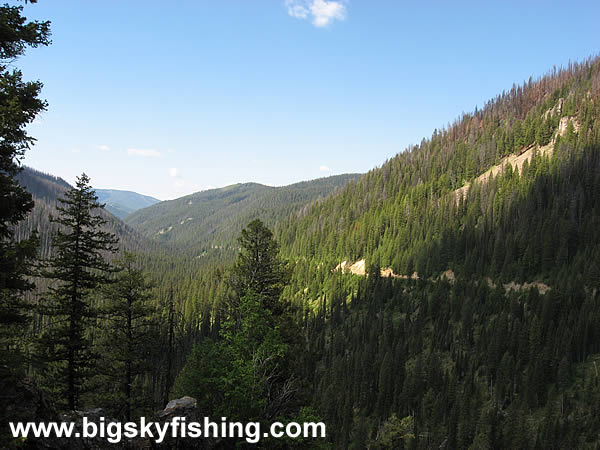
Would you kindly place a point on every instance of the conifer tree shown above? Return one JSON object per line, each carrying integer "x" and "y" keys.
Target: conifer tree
{"x": 243, "y": 374}
{"x": 258, "y": 268}
{"x": 19, "y": 105}
{"x": 169, "y": 353}
{"x": 78, "y": 268}
{"x": 128, "y": 341}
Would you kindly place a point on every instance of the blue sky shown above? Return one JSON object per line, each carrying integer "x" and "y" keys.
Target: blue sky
{"x": 168, "y": 98}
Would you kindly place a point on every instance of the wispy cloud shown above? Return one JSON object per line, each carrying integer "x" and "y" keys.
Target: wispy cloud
{"x": 297, "y": 9}
{"x": 320, "y": 12}
{"x": 103, "y": 148}
{"x": 145, "y": 153}
{"x": 174, "y": 172}
{"x": 324, "y": 169}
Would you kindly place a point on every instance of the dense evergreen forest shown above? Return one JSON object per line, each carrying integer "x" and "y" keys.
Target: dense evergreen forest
{"x": 484, "y": 333}
{"x": 447, "y": 299}
{"x": 208, "y": 222}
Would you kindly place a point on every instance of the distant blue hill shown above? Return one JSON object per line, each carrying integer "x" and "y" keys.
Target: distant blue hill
{"x": 123, "y": 203}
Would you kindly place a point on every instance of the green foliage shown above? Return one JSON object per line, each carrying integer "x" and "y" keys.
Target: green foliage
{"x": 79, "y": 268}
{"x": 231, "y": 377}
{"x": 407, "y": 216}
{"x": 19, "y": 105}
{"x": 258, "y": 269}
{"x": 203, "y": 378}
{"x": 255, "y": 350}
{"x": 46, "y": 191}
{"x": 468, "y": 363}
{"x": 127, "y": 339}
{"x": 242, "y": 374}
{"x": 18, "y": 34}
{"x": 206, "y": 223}
{"x": 395, "y": 433}
{"x": 195, "y": 291}
{"x": 473, "y": 365}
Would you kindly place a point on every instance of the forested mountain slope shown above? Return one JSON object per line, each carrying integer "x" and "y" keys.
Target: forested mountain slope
{"x": 171, "y": 275}
{"x": 46, "y": 190}
{"x": 122, "y": 203}
{"x": 211, "y": 220}
{"x": 506, "y": 195}
{"x": 412, "y": 215}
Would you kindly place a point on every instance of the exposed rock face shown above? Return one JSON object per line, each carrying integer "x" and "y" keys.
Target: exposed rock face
{"x": 185, "y": 408}
{"x": 541, "y": 287}
{"x": 516, "y": 160}
{"x": 449, "y": 276}
{"x": 358, "y": 268}
{"x": 180, "y": 407}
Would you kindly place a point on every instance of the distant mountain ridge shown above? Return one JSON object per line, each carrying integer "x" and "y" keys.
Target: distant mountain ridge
{"x": 122, "y": 203}
{"x": 212, "y": 219}
{"x": 46, "y": 189}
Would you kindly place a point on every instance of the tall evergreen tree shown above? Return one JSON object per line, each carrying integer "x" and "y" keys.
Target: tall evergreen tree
{"x": 19, "y": 105}
{"x": 78, "y": 267}
{"x": 169, "y": 345}
{"x": 128, "y": 337}
{"x": 258, "y": 268}
{"x": 244, "y": 373}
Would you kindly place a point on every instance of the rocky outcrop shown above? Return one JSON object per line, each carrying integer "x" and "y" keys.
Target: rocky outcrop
{"x": 186, "y": 410}
{"x": 517, "y": 160}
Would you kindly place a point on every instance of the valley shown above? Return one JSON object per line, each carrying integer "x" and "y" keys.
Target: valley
{"x": 447, "y": 298}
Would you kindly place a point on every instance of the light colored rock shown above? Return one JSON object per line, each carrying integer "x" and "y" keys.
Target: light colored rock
{"x": 449, "y": 276}
{"x": 516, "y": 160}
{"x": 388, "y": 272}
{"x": 183, "y": 402}
{"x": 541, "y": 287}
{"x": 358, "y": 268}
{"x": 341, "y": 266}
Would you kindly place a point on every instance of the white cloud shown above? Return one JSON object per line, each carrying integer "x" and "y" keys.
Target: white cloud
{"x": 297, "y": 10}
{"x": 324, "y": 169}
{"x": 321, "y": 12}
{"x": 103, "y": 148}
{"x": 325, "y": 12}
{"x": 173, "y": 172}
{"x": 145, "y": 153}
